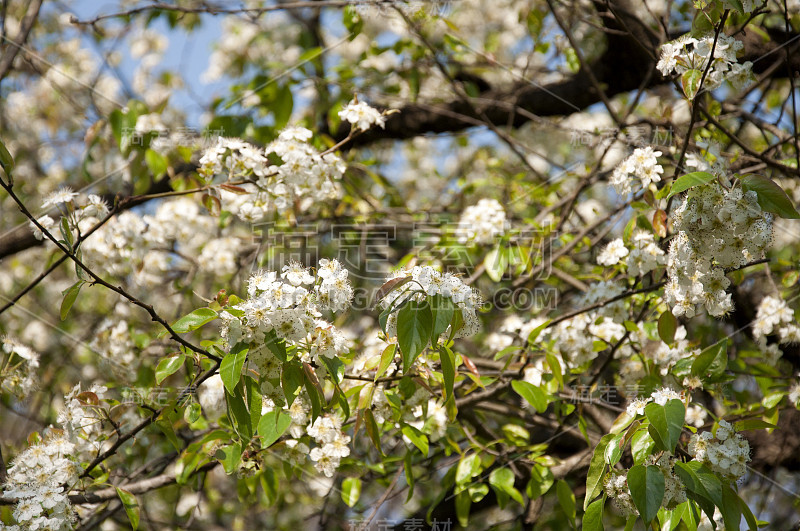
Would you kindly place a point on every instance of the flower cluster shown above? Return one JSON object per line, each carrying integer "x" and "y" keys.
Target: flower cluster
{"x": 645, "y": 254}
{"x": 511, "y": 328}
{"x": 616, "y": 487}
{"x": 290, "y": 306}
{"x": 482, "y": 223}
{"x": 140, "y": 245}
{"x": 775, "y": 317}
{"x": 725, "y": 453}
{"x": 37, "y": 479}
{"x": 361, "y": 115}
{"x": 643, "y": 164}
{"x": 612, "y": 253}
{"x": 301, "y": 177}
{"x": 689, "y": 53}
{"x": 113, "y": 342}
{"x": 43, "y": 474}
{"x": 716, "y": 229}
{"x": 427, "y": 281}
{"x": 332, "y": 443}
{"x": 82, "y": 418}
{"x": 18, "y": 368}
{"x": 667, "y": 356}
{"x": 82, "y": 211}
{"x": 659, "y": 396}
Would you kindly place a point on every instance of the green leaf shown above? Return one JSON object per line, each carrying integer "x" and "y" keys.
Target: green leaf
{"x": 409, "y": 473}
{"x": 229, "y": 456}
{"x": 593, "y": 517}
{"x": 387, "y": 357}
{"x": 168, "y": 366}
{"x": 447, "y": 359}
{"x": 442, "y": 309}
{"x": 752, "y": 523}
{"x": 496, "y": 263}
{"x": 647, "y": 490}
{"x": 690, "y": 81}
{"x": 414, "y": 325}
{"x": 156, "y": 163}
{"x": 352, "y": 21}
{"x": 566, "y": 499}
{"x": 194, "y": 320}
{"x": 230, "y": 370}
{"x": 666, "y": 423}
{"x": 239, "y": 414}
{"x": 254, "y": 401}
{"x": 730, "y": 509}
{"x": 283, "y": 105}
{"x": 373, "y": 431}
{"x": 468, "y": 467}
{"x": 276, "y": 345}
{"x": 192, "y": 413}
{"x": 6, "y": 160}
{"x": 753, "y": 424}
{"x": 534, "y": 335}
{"x": 502, "y": 481}
{"x": 418, "y": 439}
{"x": 690, "y": 180}
{"x": 270, "y": 484}
{"x": 642, "y": 445}
{"x": 534, "y": 395}
{"x": 597, "y": 468}
{"x": 70, "y": 294}
{"x": 292, "y": 379}
{"x": 702, "y": 485}
{"x": 712, "y": 361}
{"x": 131, "y": 506}
{"x": 351, "y": 491}
{"x": 555, "y": 368}
{"x": 667, "y": 326}
{"x": 66, "y": 232}
{"x": 771, "y": 197}
{"x": 463, "y": 503}
{"x": 613, "y": 450}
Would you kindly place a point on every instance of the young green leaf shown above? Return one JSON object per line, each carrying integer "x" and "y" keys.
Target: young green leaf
{"x": 666, "y": 423}
{"x": 70, "y": 295}
{"x": 169, "y": 366}
{"x": 647, "y": 488}
{"x": 272, "y": 426}
{"x": 597, "y": 468}
{"x": 690, "y": 180}
{"x": 194, "y": 320}
{"x": 351, "y": 491}
{"x": 230, "y": 370}
{"x": 534, "y": 395}
{"x": 771, "y": 197}
{"x": 130, "y": 505}
{"x": 414, "y": 325}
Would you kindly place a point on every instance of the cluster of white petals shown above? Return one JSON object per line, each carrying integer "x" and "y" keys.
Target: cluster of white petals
{"x": 289, "y": 307}
{"x": 18, "y": 365}
{"x": 775, "y": 317}
{"x": 725, "y": 453}
{"x": 482, "y": 222}
{"x": 41, "y": 476}
{"x": 689, "y": 53}
{"x": 642, "y": 164}
{"x": 302, "y": 177}
{"x": 716, "y": 229}
{"x": 361, "y": 115}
